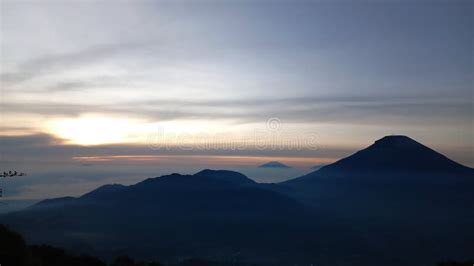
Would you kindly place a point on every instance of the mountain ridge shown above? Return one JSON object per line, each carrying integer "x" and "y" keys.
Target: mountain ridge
{"x": 344, "y": 210}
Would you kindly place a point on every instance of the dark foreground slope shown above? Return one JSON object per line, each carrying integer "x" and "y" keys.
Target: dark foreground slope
{"x": 405, "y": 199}
{"x": 15, "y": 252}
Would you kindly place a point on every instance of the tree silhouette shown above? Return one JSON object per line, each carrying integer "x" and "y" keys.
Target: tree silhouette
{"x": 10, "y": 173}
{"x": 13, "y": 249}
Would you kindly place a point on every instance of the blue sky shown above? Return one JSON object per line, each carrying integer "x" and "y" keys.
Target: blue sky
{"x": 102, "y": 76}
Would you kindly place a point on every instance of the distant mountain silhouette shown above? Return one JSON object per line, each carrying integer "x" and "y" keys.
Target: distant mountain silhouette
{"x": 210, "y": 212}
{"x": 274, "y": 164}
{"x": 396, "y": 202}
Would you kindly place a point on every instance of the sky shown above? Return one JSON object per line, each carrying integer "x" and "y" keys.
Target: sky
{"x": 96, "y": 92}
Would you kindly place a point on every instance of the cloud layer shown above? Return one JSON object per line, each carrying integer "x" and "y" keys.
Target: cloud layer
{"x": 348, "y": 72}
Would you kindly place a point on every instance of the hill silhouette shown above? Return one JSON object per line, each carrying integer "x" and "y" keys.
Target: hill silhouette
{"x": 210, "y": 212}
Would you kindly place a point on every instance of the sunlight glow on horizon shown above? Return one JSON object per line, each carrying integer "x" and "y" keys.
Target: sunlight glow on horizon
{"x": 98, "y": 129}
{"x": 92, "y": 130}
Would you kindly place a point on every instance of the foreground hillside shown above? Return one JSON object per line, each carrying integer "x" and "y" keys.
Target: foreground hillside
{"x": 396, "y": 202}
{"x": 15, "y": 252}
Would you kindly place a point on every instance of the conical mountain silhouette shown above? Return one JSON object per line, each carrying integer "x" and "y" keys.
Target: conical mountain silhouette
{"x": 395, "y": 176}
{"x": 398, "y": 156}
{"x": 398, "y": 153}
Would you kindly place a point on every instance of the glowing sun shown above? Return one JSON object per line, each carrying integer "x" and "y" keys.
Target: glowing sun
{"x": 93, "y": 130}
